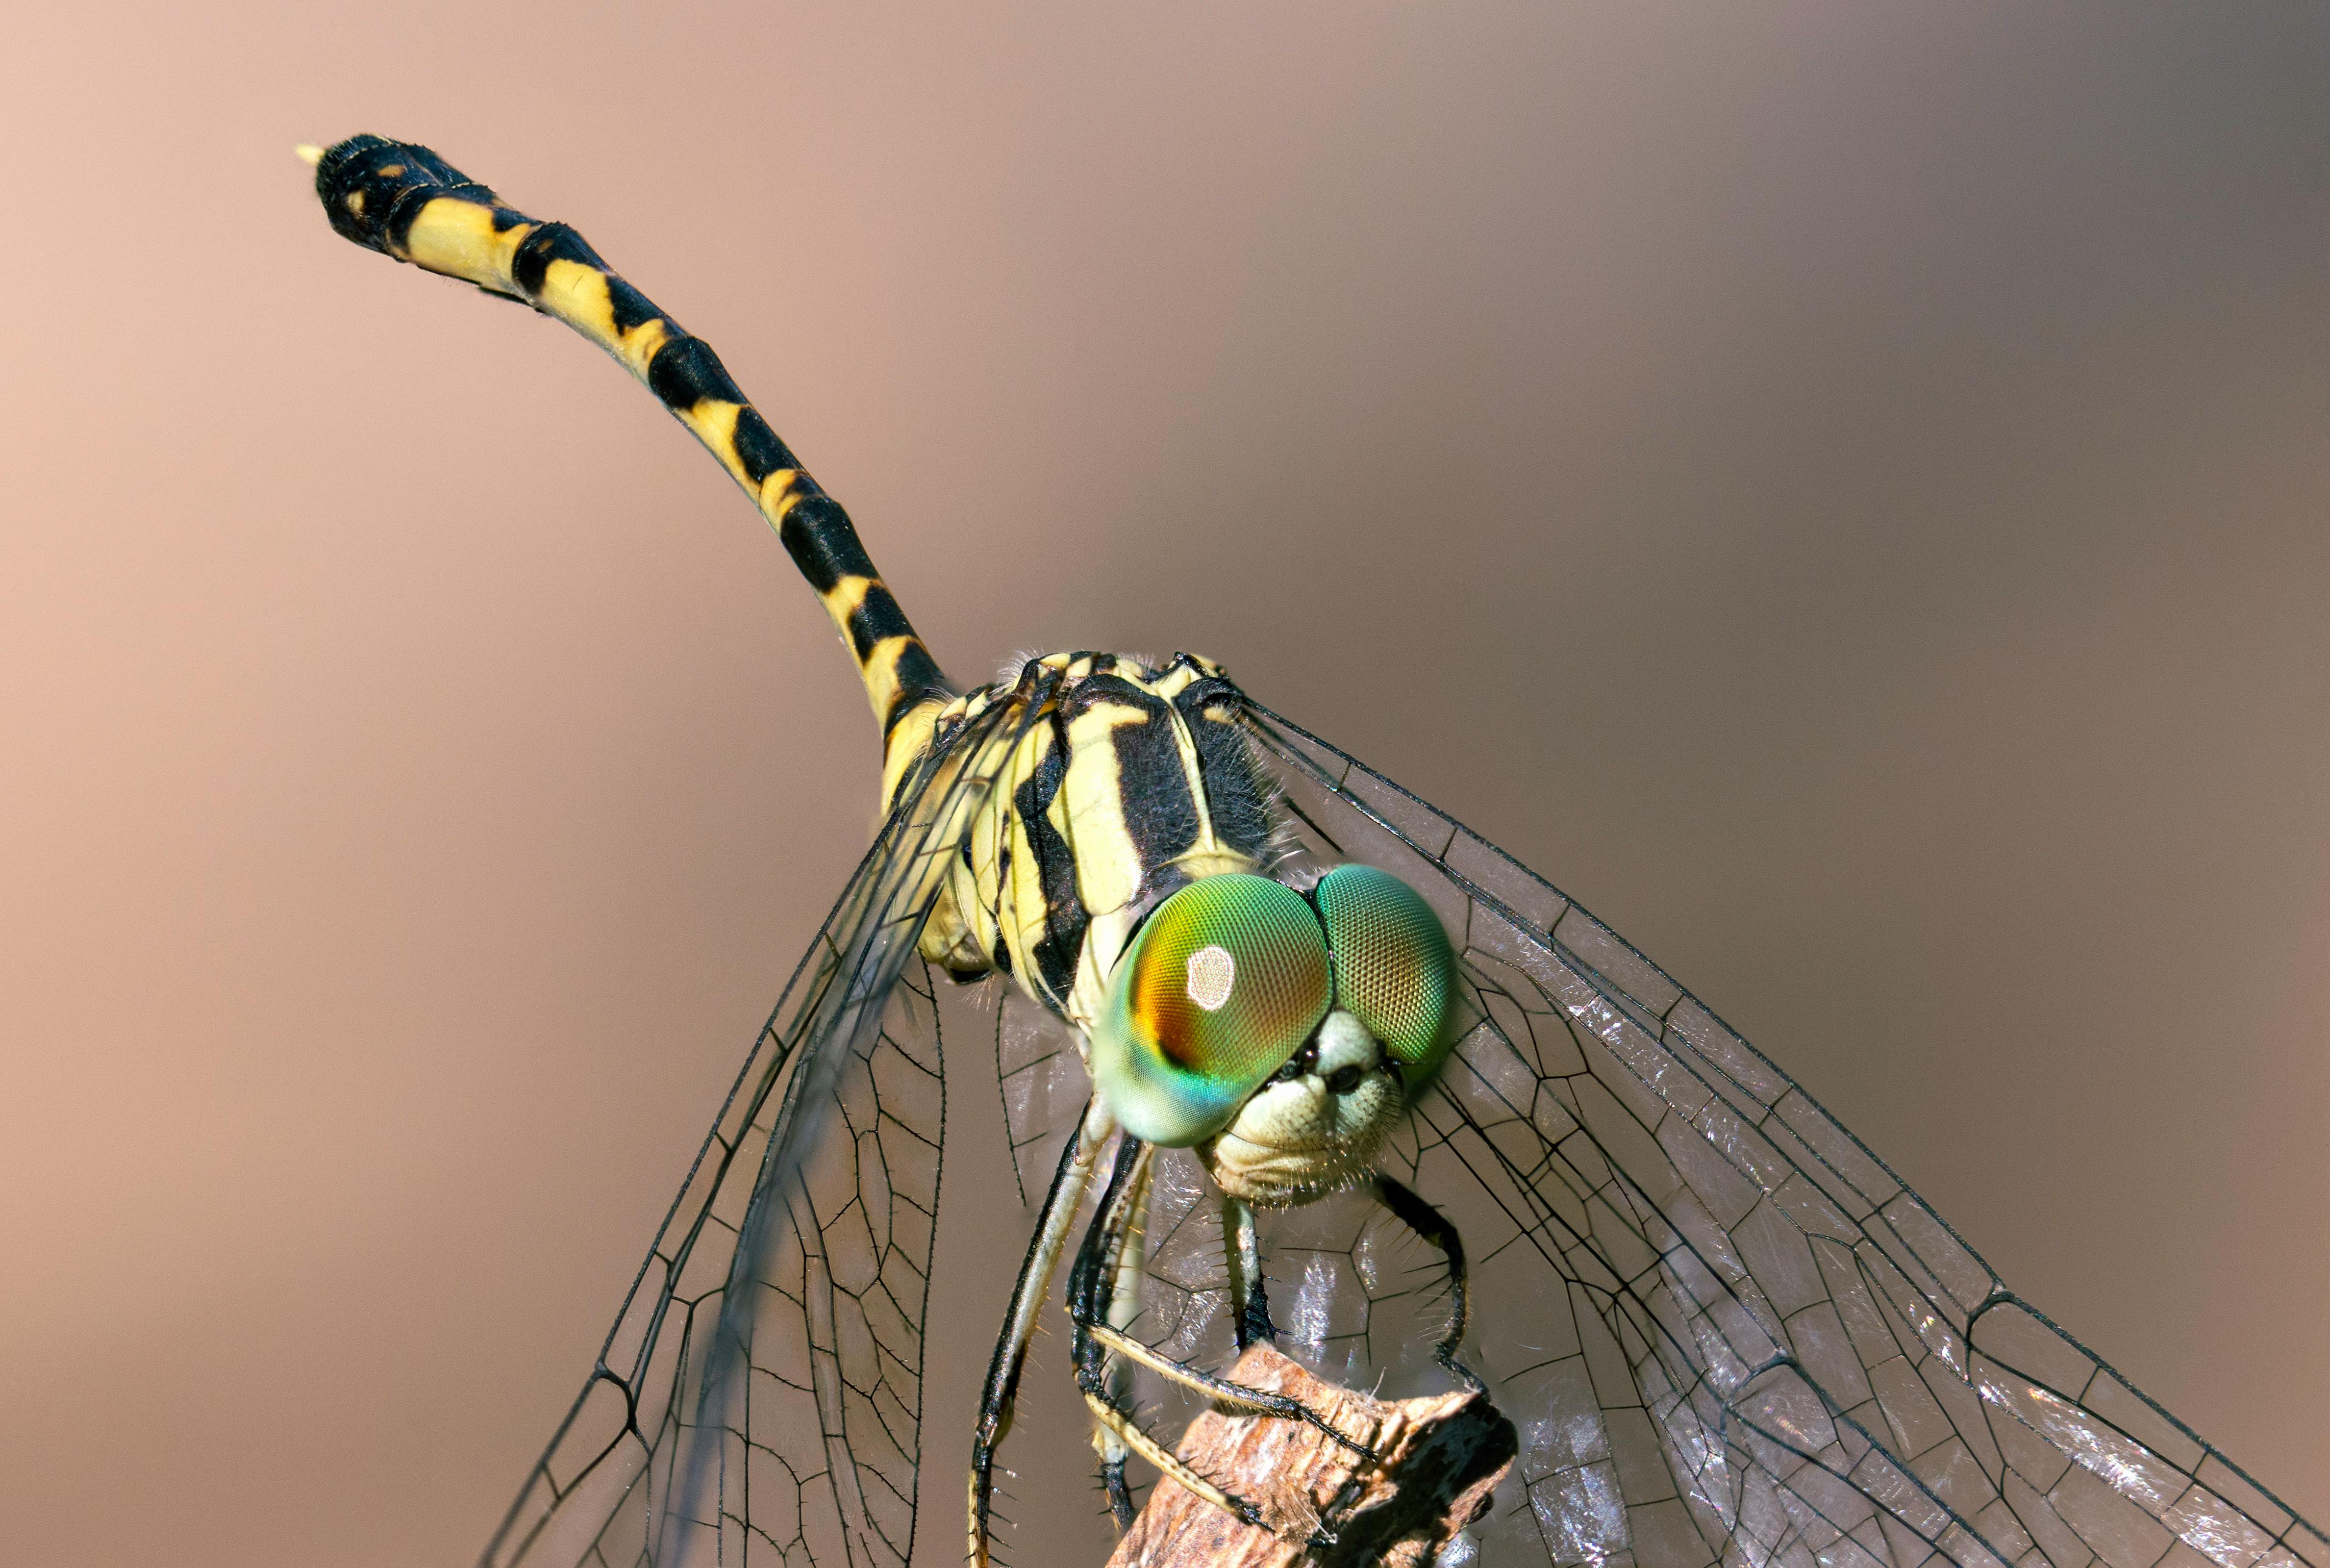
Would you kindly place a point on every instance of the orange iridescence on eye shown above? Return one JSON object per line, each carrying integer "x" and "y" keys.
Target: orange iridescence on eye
{"x": 1230, "y": 975}
{"x": 1221, "y": 985}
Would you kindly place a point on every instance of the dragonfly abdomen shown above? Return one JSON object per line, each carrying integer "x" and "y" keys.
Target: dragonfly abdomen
{"x": 406, "y": 202}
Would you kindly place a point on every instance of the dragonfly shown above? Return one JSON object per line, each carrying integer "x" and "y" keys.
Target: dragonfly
{"x": 1359, "y": 1082}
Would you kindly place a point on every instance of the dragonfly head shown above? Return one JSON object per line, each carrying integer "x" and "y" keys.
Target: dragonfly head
{"x": 1279, "y": 1033}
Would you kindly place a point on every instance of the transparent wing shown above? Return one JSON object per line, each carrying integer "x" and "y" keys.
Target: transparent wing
{"x": 1045, "y": 1087}
{"x": 1728, "y": 1333}
{"x": 760, "y": 1392}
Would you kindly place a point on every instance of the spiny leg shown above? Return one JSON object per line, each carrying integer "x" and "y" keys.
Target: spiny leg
{"x": 1221, "y": 1390}
{"x": 1433, "y": 1226}
{"x": 995, "y": 1406}
{"x": 1249, "y": 1305}
{"x": 1090, "y": 1292}
{"x": 1124, "y": 1305}
{"x": 1096, "y": 1292}
{"x": 1115, "y": 1227}
{"x": 1090, "y": 1299}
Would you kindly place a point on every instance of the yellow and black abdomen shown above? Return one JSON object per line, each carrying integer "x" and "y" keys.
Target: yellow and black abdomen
{"x": 1126, "y": 781}
{"x": 406, "y": 202}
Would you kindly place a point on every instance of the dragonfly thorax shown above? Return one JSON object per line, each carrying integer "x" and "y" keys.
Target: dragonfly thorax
{"x": 1125, "y": 782}
{"x": 1112, "y": 870}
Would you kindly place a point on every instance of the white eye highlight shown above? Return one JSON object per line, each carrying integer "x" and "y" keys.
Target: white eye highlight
{"x": 1212, "y": 973}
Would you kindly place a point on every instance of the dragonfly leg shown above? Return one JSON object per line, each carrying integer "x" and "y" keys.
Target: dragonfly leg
{"x": 1060, "y": 1204}
{"x": 1124, "y": 1307}
{"x": 1237, "y": 1396}
{"x": 1095, "y": 1292}
{"x": 1091, "y": 1303}
{"x": 1244, "y": 1258}
{"x": 1433, "y": 1226}
{"x": 1104, "y": 1294}
{"x": 1127, "y": 1430}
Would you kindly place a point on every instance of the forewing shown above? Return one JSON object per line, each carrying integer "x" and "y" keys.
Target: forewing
{"x": 1727, "y": 1332}
{"x": 760, "y": 1392}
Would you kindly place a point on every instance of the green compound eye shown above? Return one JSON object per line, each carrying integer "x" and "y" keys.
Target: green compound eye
{"x": 1224, "y": 981}
{"x": 1394, "y": 970}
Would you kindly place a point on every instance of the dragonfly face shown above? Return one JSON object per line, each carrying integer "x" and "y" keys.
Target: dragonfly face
{"x": 1315, "y": 1127}
{"x": 1727, "y": 1332}
{"x": 1277, "y": 1031}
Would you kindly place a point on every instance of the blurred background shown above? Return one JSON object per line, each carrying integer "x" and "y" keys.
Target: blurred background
{"x": 1840, "y": 490}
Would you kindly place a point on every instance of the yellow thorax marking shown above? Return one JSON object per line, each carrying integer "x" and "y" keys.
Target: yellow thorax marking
{"x": 1089, "y": 810}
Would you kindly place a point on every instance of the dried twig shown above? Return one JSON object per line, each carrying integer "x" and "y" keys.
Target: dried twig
{"x": 1442, "y": 1458}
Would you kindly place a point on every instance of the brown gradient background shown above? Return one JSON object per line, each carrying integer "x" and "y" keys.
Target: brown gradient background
{"x": 1840, "y": 490}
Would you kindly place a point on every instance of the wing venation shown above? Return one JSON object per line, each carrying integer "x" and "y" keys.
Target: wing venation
{"x": 1730, "y": 1334}
{"x": 761, "y": 1390}
{"x": 1727, "y": 1332}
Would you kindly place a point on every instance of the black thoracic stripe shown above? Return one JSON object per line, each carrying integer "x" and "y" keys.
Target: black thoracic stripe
{"x": 1065, "y": 919}
{"x": 877, "y": 617}
{"x": 1161, "y": 816}
{"x": 1234, "y": 796}
{"x": 1002, "y": 879}
{"x": 1098, "y": 690}
{"x": 1106, "y": 691}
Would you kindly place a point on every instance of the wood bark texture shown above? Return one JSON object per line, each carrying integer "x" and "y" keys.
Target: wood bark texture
{"x": 1442, "y": 1456}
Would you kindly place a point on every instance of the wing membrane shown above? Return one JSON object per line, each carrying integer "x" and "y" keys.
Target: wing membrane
{"x": 1729, "y": 1332}
{"x": 1045, "y": 1087}
{"x": 761, "y": 1388}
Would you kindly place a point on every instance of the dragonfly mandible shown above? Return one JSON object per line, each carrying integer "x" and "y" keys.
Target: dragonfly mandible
{"x": 1317, "y": 1027}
